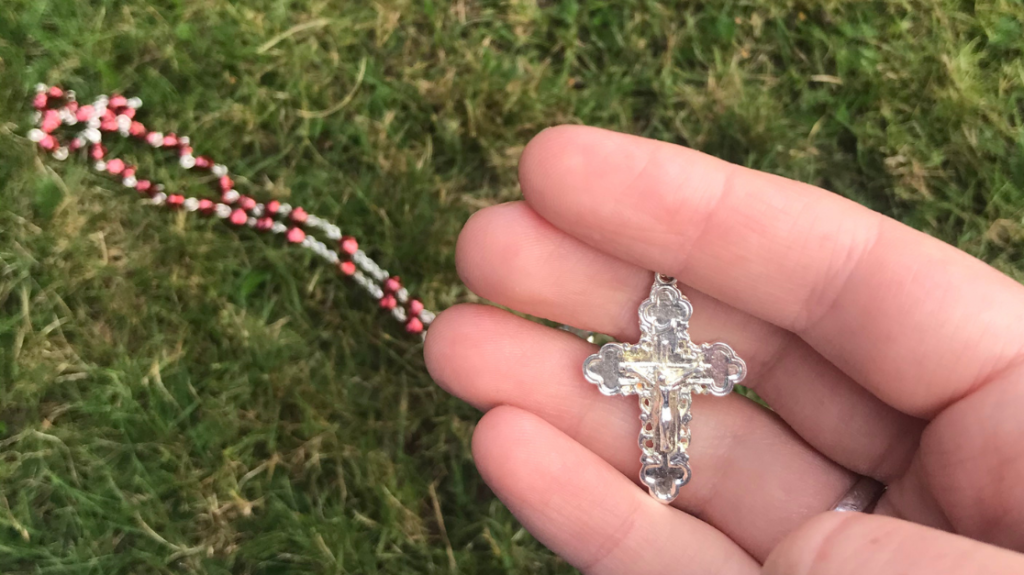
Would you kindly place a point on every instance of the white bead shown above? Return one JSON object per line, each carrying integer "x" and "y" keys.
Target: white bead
{"x": 187, "y": 161}
{"x": 427, "y": 317}
{"x": 60, "y": 154}
{"x": 100, "y": 166}
{"x": 124, "y": 122}
{"x": 230, "y": 196}
{"x": 183, "y": 140}
{"x": 129, "y": 182}
{"x": 307, "y": 242}
{"x": 36, "y": 135}
{"x": 92, "y": 135}
{"x": 93, "y": 123}
{"x": 191, "y": 204}
{"x": 67, "y": 117}
{"x": 399, "y": 313}
{"x": 257, "y": 210}
{"x": 159, "y": 198}
{"x": 135, "y": 103}
{"x": 155, "y": 139}
{"x": 40, "y": 87}
{"x": 79, "y": 142}
{"x": 284, "y": 210}
{"x": 70, "y": 95}
{"x": 251, "y": 222}
{"x": 278, "y": 228}
{"x": 219, "y": 170}
{"x": 37, "y": 117}
{"x": 222, "y": 211}
{"x": 402, "y": 295}
{"x": 101, "y": 102}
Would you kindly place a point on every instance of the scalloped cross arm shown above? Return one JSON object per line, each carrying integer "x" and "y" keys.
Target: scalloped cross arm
{"x": 664, "y": 369}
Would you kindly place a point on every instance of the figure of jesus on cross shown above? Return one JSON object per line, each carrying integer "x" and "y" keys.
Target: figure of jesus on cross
{"x": 664, "y": 369}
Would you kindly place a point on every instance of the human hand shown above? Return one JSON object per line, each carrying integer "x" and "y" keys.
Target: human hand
{"x": 884, "y": 352}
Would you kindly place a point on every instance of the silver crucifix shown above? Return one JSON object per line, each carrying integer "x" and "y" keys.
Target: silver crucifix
{"x": 664, "y": 369}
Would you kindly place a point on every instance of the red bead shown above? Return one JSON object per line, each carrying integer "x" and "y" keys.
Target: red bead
{"x": 40, "y": 101}
{"x": 175, "y": 200}
{"x": 296, "y": 235}
{"x": 84, "y": 113}
{"x": 348, "y": 268}
{"x": 388, "y": 302}
{"x": 48, "y": 143}
{"x": 349, "y": 245}
{"x": 72, "y": 107}
{"x": 55, "y": 92}
{"x": 143, "y": 186}
{"x": 414, "y": 325}
{"x": 392, "y": 284}
{"x": 115, "y": 166}
{"x": 108, "y": 114}
{"x": 108, "y": 125}
{"x": 272, "y": 207}
{"x": 203, "y": 163}
{"x": 226, "y": 183}
{"x": 137, "y": 129}
{"x": 415, "y": 307}
{"x": 246, "y": 203}
{"x": 206, "y": 206}
{"x": 299, "y": 216}
{"x": 97, "y": 152}
{"x": 129, "y": 172}
{"x": 51, "y": 121}
{"x": 75, "y": 144}
{"x": 185, "y": 150}
{"x": 118, "y": 101}
{"x": 264, "y": 224}
{"x": 129, "y": 112}
{"x": 170, "y": 141}
{"x": 239, "y": 217}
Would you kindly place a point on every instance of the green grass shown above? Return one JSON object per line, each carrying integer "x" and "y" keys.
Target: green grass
{"x": 177, "y": 397}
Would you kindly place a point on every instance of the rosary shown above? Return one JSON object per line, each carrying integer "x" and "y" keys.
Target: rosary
{"x": 664, "y": 369}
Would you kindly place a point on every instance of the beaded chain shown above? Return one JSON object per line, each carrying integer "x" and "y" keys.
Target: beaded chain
{"x": 56, "y": 107}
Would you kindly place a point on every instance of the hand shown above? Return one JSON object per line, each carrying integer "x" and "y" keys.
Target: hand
{"x": 882, "y": 351}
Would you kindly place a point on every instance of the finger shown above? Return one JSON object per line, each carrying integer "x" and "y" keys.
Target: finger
{"x": 970, "y": 466}
{"x": 752, "y": 478}
{"x": 855, "y": 543}
{"x": 887, "y": 304}
{"x": 510, "y": 255}
{"x": 586, "y": 511}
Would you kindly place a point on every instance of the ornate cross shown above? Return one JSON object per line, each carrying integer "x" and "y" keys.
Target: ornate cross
{"x": 664, "y": 369}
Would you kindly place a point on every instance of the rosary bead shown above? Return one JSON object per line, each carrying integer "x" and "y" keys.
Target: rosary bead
{"x": 296, "y": 235}
{"x": 84, "y": 113}
{"x": 299, "y": 216}
{"x": 246, "y": 203}
{"x": 206, "y": 207}
{"x": 51, "y": 121}
{"x": 48, "y": 143}
{"x": 143, "y": 186}
{"x": 108, "y": 125}
{"x": 347, "y": 267}
{"x": 187, "y": 162}
{"x": 97, "y": 152}
{"x": 115, "y": 166}
{"x": 388, "y": 302}
{"x": 40, "y": 101}
{"x": 238, "y": 217}
{"x": 118, "y": 101}
{"x": 55, "y": 92}
{"x": 226, "y": 183}
{"x": 230, "y": 197}
{"x": 36, "y": 135}
{"x": 203, "y": 163}
{"x": 219, "y": 170}
{"x": 392, "y": 284}
{"x": 128, "y": 113}
{"x": 415, "y": 307}
{"x": 60, "y": 154}
{"x": 349, "y": 245}
{"x": 264, "y": 224}
{"x": 414, "y": 326}
{"x": 170, "y": 141}
{"x": 155, "y": 139}
{"x": 191, "y": 204}
{"x": 175, "y": 201}
{"x": 273, "y": 206}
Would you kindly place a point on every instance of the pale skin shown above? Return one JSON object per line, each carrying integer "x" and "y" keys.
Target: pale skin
{"x": 883, "y": 352}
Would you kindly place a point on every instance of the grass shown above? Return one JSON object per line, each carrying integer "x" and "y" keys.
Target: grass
{"x": 176, "y": 397}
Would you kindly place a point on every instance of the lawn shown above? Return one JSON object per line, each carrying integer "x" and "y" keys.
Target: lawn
{"x": 180, "y": 397}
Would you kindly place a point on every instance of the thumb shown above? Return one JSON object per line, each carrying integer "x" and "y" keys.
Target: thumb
{"x": 854, "y": 543}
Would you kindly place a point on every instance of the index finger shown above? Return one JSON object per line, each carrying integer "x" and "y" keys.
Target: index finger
{"x": 916, "y": 321}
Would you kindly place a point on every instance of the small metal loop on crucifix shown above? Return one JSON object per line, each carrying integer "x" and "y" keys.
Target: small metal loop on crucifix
{"x": 664, "y": 369}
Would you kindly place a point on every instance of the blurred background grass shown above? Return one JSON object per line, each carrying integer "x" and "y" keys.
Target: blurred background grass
{"x": 176, "y": 397}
